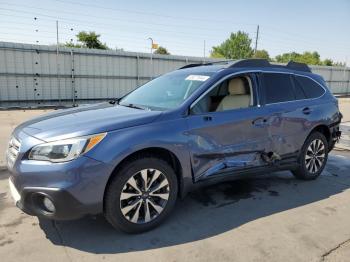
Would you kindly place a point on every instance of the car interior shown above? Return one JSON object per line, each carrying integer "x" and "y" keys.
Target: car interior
{"x": 231, "y": 94}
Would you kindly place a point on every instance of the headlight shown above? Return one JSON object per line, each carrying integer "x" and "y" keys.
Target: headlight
{"x": 65, "y": 150}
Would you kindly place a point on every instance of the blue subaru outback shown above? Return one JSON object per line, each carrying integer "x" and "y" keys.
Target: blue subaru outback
{"x": 131, "y": 158}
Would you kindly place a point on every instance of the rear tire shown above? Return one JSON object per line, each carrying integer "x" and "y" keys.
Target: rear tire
{"x": 313, "y": 157}
{"x": 141, "y": 195}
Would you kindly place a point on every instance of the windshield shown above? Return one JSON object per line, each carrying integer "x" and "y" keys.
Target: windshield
{"x": 165, "y": 92}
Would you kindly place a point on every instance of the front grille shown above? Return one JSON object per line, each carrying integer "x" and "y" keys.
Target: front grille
{"x": 12, "y": 151}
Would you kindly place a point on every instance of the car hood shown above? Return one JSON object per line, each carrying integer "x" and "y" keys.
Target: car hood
{"x": 85, "y": 120}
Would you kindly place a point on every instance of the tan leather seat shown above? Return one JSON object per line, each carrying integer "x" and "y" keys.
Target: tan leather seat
{"x": 237, "y": 97}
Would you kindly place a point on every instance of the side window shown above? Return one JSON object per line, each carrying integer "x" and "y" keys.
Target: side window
{"x": 310, "y": 87}
{"x": 278, "y": 88}
{"x": 299, "y": 92}
{"x": 233, "y": 93}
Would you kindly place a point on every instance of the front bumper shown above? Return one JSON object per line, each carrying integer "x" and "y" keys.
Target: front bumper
{"x": 67, "y": 207}
{"x": 75, "y": 188}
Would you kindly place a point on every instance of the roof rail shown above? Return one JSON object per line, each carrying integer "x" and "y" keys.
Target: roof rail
{"x": 222, "y": 62}
{"x": 298, "y": 66}
{"x": 254, "y": 62}
{"x": 206, "y": 64}
{"x": 190, "y": 65}
{"x": 265, "y": 63}
{"x": 251, "y": 63}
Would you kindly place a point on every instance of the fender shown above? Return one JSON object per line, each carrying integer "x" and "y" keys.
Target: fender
{"x": 169, "y": 135}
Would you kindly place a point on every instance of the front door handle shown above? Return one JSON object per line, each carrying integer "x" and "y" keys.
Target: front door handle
{"x": 306, "y": 111}
{"x": 207, "y": 118}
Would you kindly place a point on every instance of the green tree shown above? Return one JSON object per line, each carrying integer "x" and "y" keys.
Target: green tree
{"x": 161, "y": 51}
{"x": 237, "y": 46}
{"x": 310, "y": 58}
{"x": 88, "y": 40}
{"x": 328, "y": 62}
{"x": 263, "y": 54}
{"x": 286, "y": 57}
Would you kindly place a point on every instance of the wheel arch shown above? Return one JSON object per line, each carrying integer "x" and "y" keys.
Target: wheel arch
{"x": 158, "y": 152}
{"x": 323, "y": 129}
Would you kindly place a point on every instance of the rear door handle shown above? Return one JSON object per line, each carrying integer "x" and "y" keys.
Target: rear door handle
{"x": 306, "y": 111}
{"x": 260, "y": 122}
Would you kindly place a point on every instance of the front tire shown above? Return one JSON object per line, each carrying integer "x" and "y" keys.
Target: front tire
{"x": 141, "y": 195}
{"x": 313, "y": 158}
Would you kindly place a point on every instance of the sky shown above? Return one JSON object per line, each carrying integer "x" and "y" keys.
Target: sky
{"x": 183, "y": 26}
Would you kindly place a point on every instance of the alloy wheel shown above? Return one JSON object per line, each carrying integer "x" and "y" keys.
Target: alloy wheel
{"x": 315, "y": 156}
{"x": 144, "y": 196}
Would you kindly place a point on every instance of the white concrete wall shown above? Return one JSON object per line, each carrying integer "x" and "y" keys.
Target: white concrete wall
{"x": 29, "y": 75}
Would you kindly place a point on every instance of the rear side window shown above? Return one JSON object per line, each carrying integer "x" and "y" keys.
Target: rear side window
{"x": 299, "y": 91}
{"x": 310, "y": 87}
{"x": 278, "y": 88}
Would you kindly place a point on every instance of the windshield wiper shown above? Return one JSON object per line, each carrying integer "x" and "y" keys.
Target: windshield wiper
{"x": 137, "y": 106}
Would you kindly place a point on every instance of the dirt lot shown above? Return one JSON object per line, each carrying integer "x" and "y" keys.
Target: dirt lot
{"x": 273, "y": 218}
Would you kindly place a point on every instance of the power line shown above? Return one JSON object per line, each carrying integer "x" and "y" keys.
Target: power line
{"x": 110, "y": 18}
{"x": 85, "y": 22}
{"x": 274, "y": 37}
{"x": 51, "y": 18}
{"x": 117, "y": 38}
{"x": 51, "y": 36}
{"x": 211, "y": 20}
{"x": 177, "y": 18}
{"x": 89, "y": 15}
{"x": 298, "y": 40}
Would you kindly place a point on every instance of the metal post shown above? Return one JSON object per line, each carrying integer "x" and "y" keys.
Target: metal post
{"x": 348, "y": 80}
{"x": 138, "y": 70}
{"x": 256, "y": 40}
{"x": 72, "y": 76}
{"x": 150, "y": 38}
{"x": 344, "y": 80}
{"x": 331, "y": 80}
{"x": 58, "y": 65}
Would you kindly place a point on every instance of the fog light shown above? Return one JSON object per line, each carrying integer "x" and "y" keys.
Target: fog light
{"x": 48, "y": 205}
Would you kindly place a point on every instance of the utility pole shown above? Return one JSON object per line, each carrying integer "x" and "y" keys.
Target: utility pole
{"x": 256, "y": 40}
{"x": 58, "y": 65}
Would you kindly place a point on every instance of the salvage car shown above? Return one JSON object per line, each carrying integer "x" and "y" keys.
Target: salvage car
{"x": 131, "y": 158}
